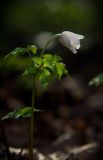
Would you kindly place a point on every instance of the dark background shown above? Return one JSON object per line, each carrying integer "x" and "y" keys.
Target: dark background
{"x": 21, "y": 22}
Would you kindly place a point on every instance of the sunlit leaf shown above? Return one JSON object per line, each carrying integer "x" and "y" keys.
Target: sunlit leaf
{"x": 60, "y": 69}
{"x": 32, "y": 48}
{"x": 44, "y": 76}
{"x": 37, "y": 60}
{"x": 26, "y": 112}
{"x": 50, "y": 61}
{"x": 51, "y": 67}
{"x": 57, "y": 58}
{"x": 15, "y": 52}
{"x": 50, "y": 57}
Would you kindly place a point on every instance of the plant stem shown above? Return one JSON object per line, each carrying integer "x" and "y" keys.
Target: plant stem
{"x": 45, "y": 47}
{"x": 31, "y": 131}
{"x": 32, "y": 122}
{"x": 33, "y": 101}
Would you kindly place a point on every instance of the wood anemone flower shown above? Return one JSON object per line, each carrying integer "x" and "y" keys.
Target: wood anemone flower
{"x": 70, "y": 40}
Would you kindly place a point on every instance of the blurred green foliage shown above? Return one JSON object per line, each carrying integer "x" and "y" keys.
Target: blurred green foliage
{"x": 97, "y": 81}
{"x": 21, "y": 20}
{"x": 34, "y": 16}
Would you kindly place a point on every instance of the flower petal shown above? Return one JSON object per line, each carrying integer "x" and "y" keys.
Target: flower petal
{"x": 67, "y": 43}
{"x": 64, "y": 40}
{"x": 74, "y": 35}
{"x": 71, "y": 40}
{"x": 77, "y": 46}
{"x": 80, "y": 36}
{"x": 72, "y": 48}
{"x": 75, "y": 42}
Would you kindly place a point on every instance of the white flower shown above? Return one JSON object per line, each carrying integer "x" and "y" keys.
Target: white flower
{"x": 70, "y": 40}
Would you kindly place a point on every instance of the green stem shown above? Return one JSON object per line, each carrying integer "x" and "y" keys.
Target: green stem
{"x": 45, "y": 47}
{"x": 32, "y": 122}
{"x": 33, "y": 101}
{"x": 31, "y": 131}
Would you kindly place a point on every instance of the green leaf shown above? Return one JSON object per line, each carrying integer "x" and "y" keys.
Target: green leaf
{"x": 50, "y": 61}
{"x": 32, "y": 48}
{"x": 15, "y": 52}
{"x": 60, "y": 69}
{"x": 17, "y": 114}
{"x": 30, "y": 71}
{"x": 26, "y": 112}
{"x": 37, "y": 60}
{"x": 57, "y": 58}
{"x": 44, "y": 76}
{"x": 50, "y": 57}
{"x": 9, "y": 115}
{"x": 51, "y": 67}
{"x": 14, "y": 114}
{"x": 98, "y": 80}
{"x": 23, "y": 112}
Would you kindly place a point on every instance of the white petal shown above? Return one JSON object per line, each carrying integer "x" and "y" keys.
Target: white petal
{"x": 74, "y": 35}
{"x": 73, "y": 49}
{"x": 64, "y": 40}
{"x": 77, "y": 46}
{"x": 71, "y": 40}
{"x": 80, "y": 36}
{"x": 74, "y": 40}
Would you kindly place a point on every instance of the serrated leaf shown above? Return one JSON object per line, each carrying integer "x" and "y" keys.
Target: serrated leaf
{"x": 60, "y": 69}
{"x": 48, "y": 57}
{"x": 52, "y": 57}
{"x": 44, "y": 76}
{"x": 16, "y": 51}
{"x": 57, "y": 58}
{"x": 51, "y": 67}
{"x": 32, "y": 48}
{"x": 50, "y": 61}
{"x": 98, "y": 80}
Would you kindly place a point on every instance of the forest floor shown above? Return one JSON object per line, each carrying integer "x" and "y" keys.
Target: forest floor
{"x": 70, "y": 128}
